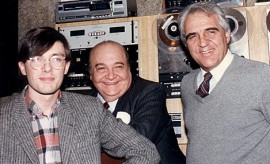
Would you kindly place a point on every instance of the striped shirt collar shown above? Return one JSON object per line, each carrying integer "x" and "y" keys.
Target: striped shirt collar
{"x": 111, "y": 104}
{"x": 219, "y": 70}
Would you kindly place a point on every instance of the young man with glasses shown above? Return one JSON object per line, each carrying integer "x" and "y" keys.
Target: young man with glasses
{"x": 45, "y": 125}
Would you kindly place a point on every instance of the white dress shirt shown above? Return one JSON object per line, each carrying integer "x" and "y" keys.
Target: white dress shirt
{"x": 112, "y": 104}
{"x": 217, "y": 72}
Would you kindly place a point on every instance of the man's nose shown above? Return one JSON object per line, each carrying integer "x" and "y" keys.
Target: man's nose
{"x": 111, "y": 74}
{"x": 203, "y": 41}
{"x": 47, "y": 66}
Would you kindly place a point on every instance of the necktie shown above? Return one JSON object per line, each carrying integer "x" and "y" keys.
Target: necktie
{"x": 204, "y": 87}
{"x": 106, "y": 105}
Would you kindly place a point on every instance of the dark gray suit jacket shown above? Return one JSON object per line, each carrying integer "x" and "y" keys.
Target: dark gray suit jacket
{"x": 84, "y": 128}
{"x": 145, "y": 102}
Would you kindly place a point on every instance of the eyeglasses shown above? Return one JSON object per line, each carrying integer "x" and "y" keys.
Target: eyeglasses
{"x": 38, "y": 62}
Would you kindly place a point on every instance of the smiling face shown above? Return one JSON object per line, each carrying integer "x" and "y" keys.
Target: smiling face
{"x": 46, "y": 80}
{"x": 110, "y": 71}
{"x": 206, "y": 40}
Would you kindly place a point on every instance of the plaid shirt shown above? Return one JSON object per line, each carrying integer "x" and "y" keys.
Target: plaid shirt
{"x": 46, "y": 132}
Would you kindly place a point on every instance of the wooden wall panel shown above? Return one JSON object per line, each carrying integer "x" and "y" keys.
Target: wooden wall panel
{"x": 258, "y": 42}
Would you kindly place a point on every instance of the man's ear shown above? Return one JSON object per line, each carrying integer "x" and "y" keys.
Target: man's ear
{"x": 228, "y": 36}
{"x": 67, "y": 67}
{"x": 89, "y": 72}
{"x": 22, "y": 67}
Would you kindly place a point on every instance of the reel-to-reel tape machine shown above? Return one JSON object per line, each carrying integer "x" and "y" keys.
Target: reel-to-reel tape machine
{"x": 173, "y": 58}
{"x": 241, "y": 26}
{"x": 266, "y": 27}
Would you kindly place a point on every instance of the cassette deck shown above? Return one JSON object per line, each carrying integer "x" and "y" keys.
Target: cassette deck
{"x": 74, "y": 11}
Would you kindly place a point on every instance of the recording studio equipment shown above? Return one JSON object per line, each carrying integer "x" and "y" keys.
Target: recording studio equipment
{"x": 73, "y": 11}
{"x": 266, "y": 27}
{"x": 241, "y": 29}
{"x": 177, "y": 125}
{"x": 180, "y": 3}
{"x": 173, "y": 58}
{"x": 172, "y": 5}
{"x": 83, "y": 38}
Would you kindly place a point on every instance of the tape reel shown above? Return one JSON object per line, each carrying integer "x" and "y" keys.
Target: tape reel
{"x": 165, "y": 31}
{"x": 168, "y": 30}
{"x": 230, "y": 3}
{"x": 238, "y": 24}
{"x": 265, "y": 22}
{"x": 173, "y": 56}
{"x": 241, "y": 25}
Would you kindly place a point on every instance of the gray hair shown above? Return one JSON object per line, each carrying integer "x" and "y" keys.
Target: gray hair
{"x": 209, "y": 8}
